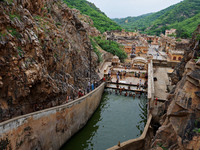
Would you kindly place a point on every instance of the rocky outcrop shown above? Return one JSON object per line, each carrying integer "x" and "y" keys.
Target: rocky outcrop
{"x": 45, "y": 55}
{"x": 87, "y": 23}
{"x": 180, "y": 125}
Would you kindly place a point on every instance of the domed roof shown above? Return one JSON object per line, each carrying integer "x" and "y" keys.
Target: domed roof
{"x": 140, "y": 59}
{"x": 115, "y": 57}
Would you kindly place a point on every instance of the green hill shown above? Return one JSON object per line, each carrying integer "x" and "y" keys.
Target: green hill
{"x": 183, "y": 16}
{"x": 187, "y": 27}
{"x": 127, "y": 22}
{"x": 101, "y": 21}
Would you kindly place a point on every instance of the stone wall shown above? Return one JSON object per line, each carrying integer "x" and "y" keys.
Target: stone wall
{"x": 107, "y": 57}
{"x": 164, "y": 63}
{"x": 151, "y": 90}
{"x": 141, "y": 143}
{"x": 50, "y": 128}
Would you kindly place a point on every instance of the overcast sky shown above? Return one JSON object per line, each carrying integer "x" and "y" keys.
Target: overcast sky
{"x": 125, "y": 8}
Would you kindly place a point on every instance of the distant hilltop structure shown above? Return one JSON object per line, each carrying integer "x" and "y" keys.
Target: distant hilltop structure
{"x": 120, "y": 34}
{"x": 170, "y": 32}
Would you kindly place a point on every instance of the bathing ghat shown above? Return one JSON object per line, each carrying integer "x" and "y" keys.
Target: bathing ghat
{"x": 58, "y": 124}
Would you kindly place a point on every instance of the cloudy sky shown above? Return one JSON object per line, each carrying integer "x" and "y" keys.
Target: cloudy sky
{"x": 125, "y": 8}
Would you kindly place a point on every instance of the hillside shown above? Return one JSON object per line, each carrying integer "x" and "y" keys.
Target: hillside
{"x": 44, "y": 57}
{"x": 101, "y": 21}
{"x": 141, "y": 22}
{"x": 186, "y": 27}
{"x": 180, "y": 16}
{"x": 127, "y": 22}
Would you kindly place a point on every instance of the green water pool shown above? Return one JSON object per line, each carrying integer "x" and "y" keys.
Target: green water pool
{"x": 118, "y": 118}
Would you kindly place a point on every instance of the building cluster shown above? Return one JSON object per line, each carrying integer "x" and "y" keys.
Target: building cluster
{"x": 127, "y": 39}
{"x": 151, "y": 39}
{"x": 133, "y": 42}
{"x": 171, "y": 32}
{"x": 136, "y": 44}
{"x": 173, "y": 48}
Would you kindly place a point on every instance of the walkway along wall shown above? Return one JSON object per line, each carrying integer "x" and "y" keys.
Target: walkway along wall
{"x": 164, "y": 63}
{"x": 151, "y": 90}
{"x": 49, "y": 129}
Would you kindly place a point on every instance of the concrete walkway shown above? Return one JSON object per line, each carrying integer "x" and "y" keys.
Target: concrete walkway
{"x": 132, "y": 88}
{"x": 129, "y": 70}
{"x": 157, "y": 55}
{"x": 127, "y": 80}
{"x": 161, "y": 83}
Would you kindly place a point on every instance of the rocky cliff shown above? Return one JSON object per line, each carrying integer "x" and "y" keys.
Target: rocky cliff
{"x": 180, "y": 124}
{"x": 45, "y": 55}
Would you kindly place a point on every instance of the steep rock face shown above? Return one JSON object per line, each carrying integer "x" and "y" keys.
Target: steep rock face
{"x": 191, "y": 51}
{"x": 180, "y": 125}
{"x": 44, "y": 55}
{"x": 87, "y": 23}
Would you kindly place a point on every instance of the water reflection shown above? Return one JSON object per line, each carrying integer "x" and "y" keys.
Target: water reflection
{"x": 114, "y": 120}
{"x": 143, "y": 115}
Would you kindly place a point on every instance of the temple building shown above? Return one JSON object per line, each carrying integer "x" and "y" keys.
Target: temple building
{"x": 174, "y": 48}
{"x": 141, "y": 49}
{"x": 170, "y": 32}
{"x": 139, "y": 63}
{"x": 177, "y": 50}
{"x": 175, "y": 55}
{"x": 128, "y": 48}
{"x": 115, "y": 61}
{"x": 122, "y": 33}
{"x": 142, "y": 46}
{"x": 153, "y": 40}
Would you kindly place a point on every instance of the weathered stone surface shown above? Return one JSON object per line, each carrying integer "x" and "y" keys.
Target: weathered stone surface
{"x": 197, "y": 93}
{"x": 87, "y": 23}
{"x": 179, "y": 130}
{"x": 44, "y": 55}
{"x": 50, "y": 128}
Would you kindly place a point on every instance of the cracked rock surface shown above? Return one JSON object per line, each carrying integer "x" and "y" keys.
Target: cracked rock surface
{"x": 44, "y": 55}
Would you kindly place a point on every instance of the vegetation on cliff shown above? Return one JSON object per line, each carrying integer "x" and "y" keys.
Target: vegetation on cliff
{"x": 183, "y": 16}
{"x": 101, "y": 21}
{"x": 94, "y": 46}
{"x": 44, "y": 56}
{"x": 111, "y": 47}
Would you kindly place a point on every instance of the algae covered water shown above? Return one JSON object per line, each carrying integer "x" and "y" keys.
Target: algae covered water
{"x": 118, "y": 118}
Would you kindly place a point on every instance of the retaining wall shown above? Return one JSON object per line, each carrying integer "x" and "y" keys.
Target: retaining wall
{"x": 140, "y": 143}
{"x": 151, "y": 90}
{"x": 49, "y": 129}
{"x": 162, "y": 63}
